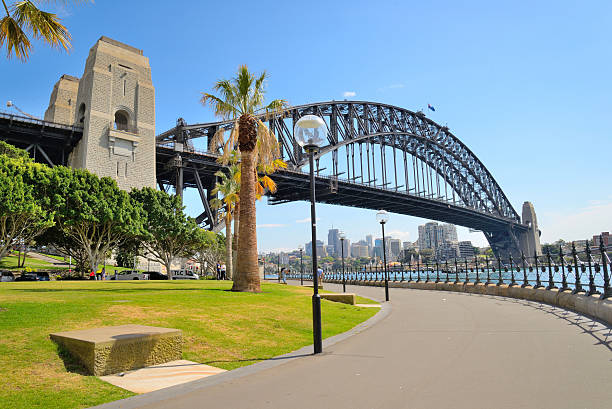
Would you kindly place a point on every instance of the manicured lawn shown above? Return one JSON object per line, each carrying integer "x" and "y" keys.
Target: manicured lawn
{"x": 220, "y": 328}
{"x": 10, "y": 262}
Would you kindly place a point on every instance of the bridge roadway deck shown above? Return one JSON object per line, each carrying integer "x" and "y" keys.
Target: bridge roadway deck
{"x": 295, "y": 185}
{"x": 434, "y": 350}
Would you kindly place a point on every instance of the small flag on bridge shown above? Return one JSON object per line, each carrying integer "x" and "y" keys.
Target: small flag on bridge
{"x": 431, "y": 107}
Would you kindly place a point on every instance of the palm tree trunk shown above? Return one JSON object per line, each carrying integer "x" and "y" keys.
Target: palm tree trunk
{"x": 228, "y": 241}
{"x": 247, "y": 274}
{"x": 235, "y": 238}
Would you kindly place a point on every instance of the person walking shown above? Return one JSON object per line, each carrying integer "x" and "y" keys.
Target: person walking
{"x": 223, "y": 271}
{"x": 103, "y": 273}
{"x": 218, "y": 271}
{"x": 283, "y": 275}
{"x": 92, "y": 275}
{"x": 320, "y": 277}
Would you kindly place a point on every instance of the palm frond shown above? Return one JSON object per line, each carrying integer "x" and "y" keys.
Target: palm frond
{"x": 43, "y": 25}
{"x": 268, "y": 183}
{"x": 267, "y": 146}
{"x": 217, "y": 140}
{"x": 15, "y": 38}
{"x": 223, "y": 109}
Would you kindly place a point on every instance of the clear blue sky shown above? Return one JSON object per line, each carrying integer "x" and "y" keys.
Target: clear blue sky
{"x": 526, "y": 85}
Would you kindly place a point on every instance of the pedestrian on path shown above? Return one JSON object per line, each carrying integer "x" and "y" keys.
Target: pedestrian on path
{"x": 92, "y": 275}
{"x": 319, "y": 276}
{"x": 283, "y": 275}
{"x": 223, "y": 271}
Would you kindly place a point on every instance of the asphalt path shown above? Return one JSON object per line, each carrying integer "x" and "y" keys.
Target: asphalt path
{"x": 427, "y": 349}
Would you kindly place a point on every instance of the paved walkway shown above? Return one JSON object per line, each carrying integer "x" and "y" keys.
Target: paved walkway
{"x": 433, "y": 350}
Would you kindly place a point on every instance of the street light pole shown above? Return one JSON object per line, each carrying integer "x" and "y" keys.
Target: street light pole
{"x": 278, "y": 268}
{"x": 309, "y": 131}
{"x": 382, "y": 217}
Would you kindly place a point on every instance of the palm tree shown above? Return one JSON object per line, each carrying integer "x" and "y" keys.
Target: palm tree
{"x": 23, "y": 18}
{"x": 241, "y": 99}
{"x": 228, "y": 186}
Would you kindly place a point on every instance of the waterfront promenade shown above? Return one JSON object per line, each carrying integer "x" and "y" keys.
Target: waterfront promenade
{"x": 428, "y": 349}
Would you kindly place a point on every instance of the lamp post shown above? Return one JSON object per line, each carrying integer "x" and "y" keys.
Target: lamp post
{"x": 382, "y": 216}
{"x": 278, "y": 268}
{"x": 342, "y": 237}
{"x": 310, "y": 131}
{"x": 301, "y": 265}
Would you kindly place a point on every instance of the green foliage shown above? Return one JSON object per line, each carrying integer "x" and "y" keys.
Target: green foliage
{"x": 10, "y": 151}
{"x": 127, "y": 253}
{"x": 210, "y": 250}
{"x": 168, "y": 232}
{"x": 23, "y": 211}
{"x": 95, "y": 215}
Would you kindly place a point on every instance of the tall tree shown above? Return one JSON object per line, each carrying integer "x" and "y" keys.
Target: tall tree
{"x": 168, "y": 232}
{"x": 95, "y": 215}
{"x": 23, "y": 214}
{"x": 228, "y": 185}
{"x": 23, "y": 20}
{"x": 210, "y": 251}
{"x": 240, "y": 100}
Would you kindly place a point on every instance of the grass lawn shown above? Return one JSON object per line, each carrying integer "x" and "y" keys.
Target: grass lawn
{"x": 10, "y": 263}
{"x": 220, "y": 328}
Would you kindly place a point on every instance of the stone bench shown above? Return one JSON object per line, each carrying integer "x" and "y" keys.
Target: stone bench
{"x": 346, "y": 298}
{"x": 109, "y": 350}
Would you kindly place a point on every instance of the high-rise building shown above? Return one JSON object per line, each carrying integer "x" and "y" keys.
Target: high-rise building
{"x": 395, "y": 246}
{"x": 440, "y": 238}
{"x": 377, "y": 249}
{"x": 333, "y": 240}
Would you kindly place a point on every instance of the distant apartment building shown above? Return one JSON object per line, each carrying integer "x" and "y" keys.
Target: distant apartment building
{"x": 441, "y": 238}
{"x": 395, "y": 246}
{"x": 320, "y": 249}
{"x": 605, "y": 238}
{"x": 359, "y": 250}
{"x": 466, "y": 249}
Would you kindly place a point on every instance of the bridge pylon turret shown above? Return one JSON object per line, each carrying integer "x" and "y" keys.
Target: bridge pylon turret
{"x": 115, "y": 105}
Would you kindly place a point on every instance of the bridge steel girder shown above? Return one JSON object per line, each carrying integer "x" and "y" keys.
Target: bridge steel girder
{"x": 53, "y": 141}
{"x": 436, "y": 154}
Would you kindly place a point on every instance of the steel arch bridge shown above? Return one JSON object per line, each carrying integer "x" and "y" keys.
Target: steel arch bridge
{"x": 377, "y": 156}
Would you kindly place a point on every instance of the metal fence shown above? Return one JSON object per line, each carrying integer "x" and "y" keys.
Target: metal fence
{"x": 585, "y": 271}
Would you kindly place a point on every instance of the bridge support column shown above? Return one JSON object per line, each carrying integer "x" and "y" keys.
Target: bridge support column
{"x": 530, "y": 240}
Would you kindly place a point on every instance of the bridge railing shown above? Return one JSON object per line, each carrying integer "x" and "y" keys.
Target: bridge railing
{"x": 20, "y": 118}
{"x": 585, "y": 271}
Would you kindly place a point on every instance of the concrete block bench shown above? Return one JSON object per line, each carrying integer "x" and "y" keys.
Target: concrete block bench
{"x": 346, "y": 298}
{"x": 110, "y": 350}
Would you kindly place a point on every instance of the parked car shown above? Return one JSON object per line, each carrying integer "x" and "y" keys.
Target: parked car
{"x": 156, "y": 275}
{"x": 184, "y": 275}
{"x": 27, "y": 277}
{"x": 130, "y": 275}
{"x": 6, "y": 276}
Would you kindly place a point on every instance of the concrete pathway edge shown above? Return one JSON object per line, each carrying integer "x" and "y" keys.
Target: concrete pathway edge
{"x": 169, "y": 393}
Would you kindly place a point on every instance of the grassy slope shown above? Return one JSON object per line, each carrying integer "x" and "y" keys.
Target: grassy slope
{"x": 220, "y": 328}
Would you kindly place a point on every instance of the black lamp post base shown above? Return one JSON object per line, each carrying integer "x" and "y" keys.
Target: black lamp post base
{"x": 316, "y": 324}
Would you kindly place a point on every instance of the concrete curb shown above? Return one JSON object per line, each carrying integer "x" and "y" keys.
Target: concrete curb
{"x": 591, "y": 306}
{"x": 173, "y": 391}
